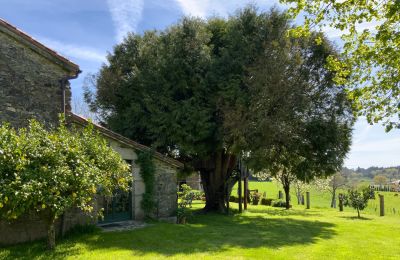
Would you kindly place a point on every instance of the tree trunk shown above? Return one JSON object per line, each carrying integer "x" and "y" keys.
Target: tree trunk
{"x": 298, "y": 195}
{"x": 358, "y": 212}
{"x": 216, "y": 175}
{"x": 333, "y": 201}
{"x": 240, "y": 194}
{"x": 246, "y": 189}
{"x": 287, "y": 195}
{"x": 51, "y": 234}
{"x": 286, "y": 187}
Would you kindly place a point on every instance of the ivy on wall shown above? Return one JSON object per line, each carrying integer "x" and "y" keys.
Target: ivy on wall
{"x": 147, "y": 172}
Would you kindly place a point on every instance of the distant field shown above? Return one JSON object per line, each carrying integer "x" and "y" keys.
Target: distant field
{"x": 321, "y": 200}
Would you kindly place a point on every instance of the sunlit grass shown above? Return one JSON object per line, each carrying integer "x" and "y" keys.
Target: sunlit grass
{"x": 322, "y": 200}
{"x": 262, "y": 232}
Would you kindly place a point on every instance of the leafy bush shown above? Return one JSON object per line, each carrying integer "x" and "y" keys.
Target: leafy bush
{"x": 279, "y": 204}
{"x": 197, "y": 195}
{"x": 186, "y": 196}
{"x": 266, "y": 202}
{"x": 51, "y": 171}
{"x": 182, "y": 213}
{"x": 255, "y": 197}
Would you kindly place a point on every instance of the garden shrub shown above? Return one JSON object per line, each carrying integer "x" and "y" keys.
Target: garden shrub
{"x": 279, "y": 204}
{"x": 266, "y": 202}
{"x": 255, "y": 197}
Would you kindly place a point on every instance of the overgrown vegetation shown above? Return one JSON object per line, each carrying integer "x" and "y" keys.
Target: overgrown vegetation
{"x": 147, "y": 172}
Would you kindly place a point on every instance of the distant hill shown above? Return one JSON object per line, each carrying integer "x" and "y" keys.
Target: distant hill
{"x": 391, "y": 173}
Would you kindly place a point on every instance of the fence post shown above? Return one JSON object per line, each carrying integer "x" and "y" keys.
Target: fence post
{"x": 381, "y": 205}
{"x": 246, "y": 190}
{"x": 240, "y": 194}
{"x": 308, "y": 199}
{"x": 340, "y": 202}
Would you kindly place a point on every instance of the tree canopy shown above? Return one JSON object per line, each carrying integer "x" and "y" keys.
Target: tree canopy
{"x": 370, "y": 64}
{"x": 50, "y": 171}
{"x": 211, "y": 92}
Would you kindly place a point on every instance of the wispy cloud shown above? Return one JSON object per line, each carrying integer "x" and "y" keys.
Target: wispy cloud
{"x": 73, "y": 51}
{"x": 126, "y": 15}
{"x": 205, "y": 8}
{"x": 194, "y": 7}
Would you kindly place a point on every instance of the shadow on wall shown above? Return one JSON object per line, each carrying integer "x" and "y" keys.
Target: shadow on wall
{"x": 206, "y": 233}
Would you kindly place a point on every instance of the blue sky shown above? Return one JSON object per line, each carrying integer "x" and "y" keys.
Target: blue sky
{"x": 84, "y": 31}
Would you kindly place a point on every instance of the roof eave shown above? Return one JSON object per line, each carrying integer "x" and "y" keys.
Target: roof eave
{"x": 137, "y": 146}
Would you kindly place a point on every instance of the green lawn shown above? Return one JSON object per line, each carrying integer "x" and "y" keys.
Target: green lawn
{"x": 322, "y": 200}
{"x": 262, "y": 232}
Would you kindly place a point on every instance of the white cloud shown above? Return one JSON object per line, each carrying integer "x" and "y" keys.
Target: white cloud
{"x": 126, "y": 15}
{"x": 377, "y": 146}
{"x": 74, "y": 51}
{"x": 373, "y": 147}
{"x": 336, "y": 33}
{"x": 194, "y": 7}
{"x": 206, "y": 8}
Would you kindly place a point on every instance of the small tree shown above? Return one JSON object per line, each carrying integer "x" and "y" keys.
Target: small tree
{"x": 332, "y": 184}
{"x": 358, "y": 200}
{"x": 300, "y": 187}
{"x": 50, "y": 171}
{"x": 380, "y": 180}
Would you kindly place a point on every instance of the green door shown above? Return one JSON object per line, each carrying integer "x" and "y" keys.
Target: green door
{"x": 118, "y": 207}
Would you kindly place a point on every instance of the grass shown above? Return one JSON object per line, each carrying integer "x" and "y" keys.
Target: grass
{"x": 262, "y": 232}
{"x": 322, "y": 200}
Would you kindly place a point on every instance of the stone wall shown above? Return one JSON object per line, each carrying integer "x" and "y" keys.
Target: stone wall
{"x": 30, "y": 85}
{"x": 32, "y": 227}
{"x": 165, "y": 191}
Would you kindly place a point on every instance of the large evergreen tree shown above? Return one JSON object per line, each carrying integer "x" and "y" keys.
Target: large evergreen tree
{"x": 212, "y": 92}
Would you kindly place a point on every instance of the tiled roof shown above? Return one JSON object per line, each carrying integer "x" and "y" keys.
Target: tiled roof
{"x": 122, "y": 139}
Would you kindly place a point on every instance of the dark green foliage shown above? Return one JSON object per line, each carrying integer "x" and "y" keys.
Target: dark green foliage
{"x": 266, "y": 202}
{"x": 279, "y": 204}
{"x": 210, "y": 92}
{"x": 147, "y": 172}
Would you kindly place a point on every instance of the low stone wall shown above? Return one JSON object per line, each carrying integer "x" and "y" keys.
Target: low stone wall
{"x": 32, "y": 227}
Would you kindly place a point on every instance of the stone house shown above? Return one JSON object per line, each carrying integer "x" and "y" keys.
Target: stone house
{"x": 193, "y": 181}
{"x": 34, "y": 83}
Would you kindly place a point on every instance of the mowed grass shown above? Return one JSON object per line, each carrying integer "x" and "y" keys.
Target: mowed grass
{"x": 262, "y": 232}
{"x": 322, "y": 200}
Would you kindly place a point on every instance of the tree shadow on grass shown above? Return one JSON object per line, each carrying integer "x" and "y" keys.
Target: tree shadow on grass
{"x": 208, "y": 233}
{"x": 285, "y": 212}
{"x": 355, "y": 218}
